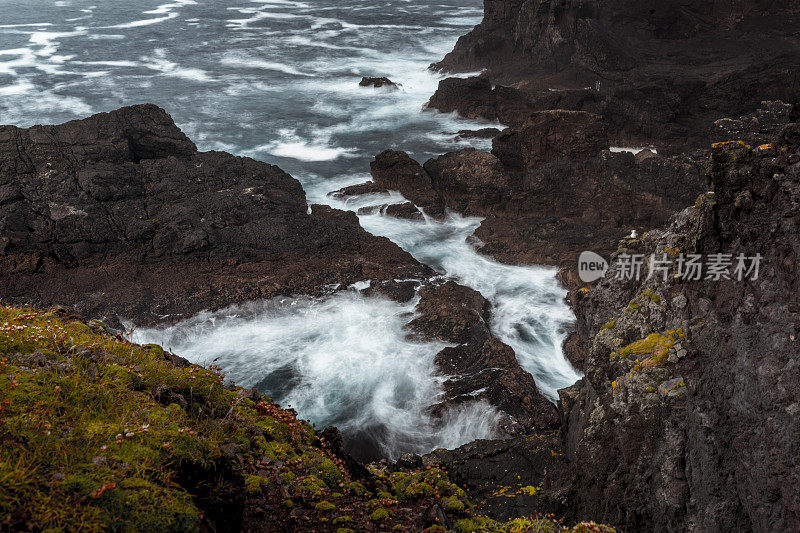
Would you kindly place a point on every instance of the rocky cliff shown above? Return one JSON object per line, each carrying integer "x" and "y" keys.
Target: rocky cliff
{"x": 656, "y": 70}
{"x": 687, "y": 416}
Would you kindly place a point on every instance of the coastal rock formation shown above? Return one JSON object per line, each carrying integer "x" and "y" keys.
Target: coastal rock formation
{"x": 654, "y": 70}
{"x": 480, "y": 366}
{"x": 686, "y": 418}
{"x": 549, "y": 190}
{"x": 119, "y": 214}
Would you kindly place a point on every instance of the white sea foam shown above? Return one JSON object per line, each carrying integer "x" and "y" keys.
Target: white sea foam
{"x": 293, "y": 146}
{"x": 529, "y": 312}
{"x": 143, "y": 22}
{"x": 240, "y": 61}
{"x": 344, "y": 360}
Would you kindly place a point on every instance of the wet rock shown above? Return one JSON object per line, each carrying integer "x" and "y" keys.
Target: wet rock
{"x": 483, "y": 133}
{"x": 369, "y": 187}
{"x": 112, "y": 205}
{"x": 397, "y": 171}
{"x": 377, "y": 82}
{"x": 470, "y": 97}
{"x": 480, "y": 367}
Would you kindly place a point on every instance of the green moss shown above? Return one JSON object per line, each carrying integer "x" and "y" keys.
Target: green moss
{"x": 325, "y": 507}
{"x": 357, "y": 489}
{"x": 611, "y": 324}
{"x": 312, "y": 486}
{"x": 344, "y": 530}
{"x": 453, "y": 505}
{"x": 653, "y": 296}
{"x": 253, "y": 484}
{"x": 344, "y": 519}
{"x": 478, "y": 523}
{"x": 379, "y": 514}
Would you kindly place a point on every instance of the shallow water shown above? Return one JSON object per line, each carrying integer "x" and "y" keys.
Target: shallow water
{"x": 277, "y": 80}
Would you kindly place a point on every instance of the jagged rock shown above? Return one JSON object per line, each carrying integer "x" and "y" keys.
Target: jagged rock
{"x": 480, "y": 366}
{"x": 397, "y": 171}
{"x": 468, "y": 177}
{"x": 119, "y": 214}
{"x": 706, "y": 418}
{"x": 601, "y": 55}
{"x": 550, "y": 136}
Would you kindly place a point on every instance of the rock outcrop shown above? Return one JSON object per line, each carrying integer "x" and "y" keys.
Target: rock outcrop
{"x": 480, "y": 366}
{"x": 119, "y": 214}
{"x": 687, "y": 416}
{"x": 655, "y": 70}
{"x": 548, "y": 190}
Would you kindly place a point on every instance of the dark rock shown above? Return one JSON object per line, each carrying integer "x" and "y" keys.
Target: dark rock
{"x": 483, "y": 133}
{"x": 469, "y": 180}
{"x": 250, "y": 394}
{"x": 165, "y": 395}
{"x": 508, "y": 478}
{"x": 120, "y": 215}
{"x": 471, "y": 97}
{"x": 436, "y": 515}
{"x": 405, "y": 210}
{"x": 377, "y": 82}
{"x": 397, "y": 171}
{"x": 481, "y": 367}
{"x": 708, "y": 424}
{"x": 369, "y": 187}
{"x": 549, "y": 136}
{"x": 409, "y": 461}
{"x": 334, "y": 443}
{"x": 653, "y": 66}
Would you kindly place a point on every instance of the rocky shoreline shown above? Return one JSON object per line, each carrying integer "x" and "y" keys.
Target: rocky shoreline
{"x": 686, "y": 418}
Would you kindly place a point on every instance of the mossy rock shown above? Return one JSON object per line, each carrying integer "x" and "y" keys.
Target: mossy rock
{"x": 379, "y": 514}
{"x": 325, "y": 507}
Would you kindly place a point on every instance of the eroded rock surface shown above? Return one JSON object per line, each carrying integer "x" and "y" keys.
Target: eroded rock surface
{"x": 119, "y": 214}
{"x": 654, "y": 69}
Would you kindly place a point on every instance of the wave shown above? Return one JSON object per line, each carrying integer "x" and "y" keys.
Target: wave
{"x": 345, "y": 360}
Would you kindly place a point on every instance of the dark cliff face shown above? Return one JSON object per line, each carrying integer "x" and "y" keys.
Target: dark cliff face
{"x": 688, "y": 415}
{"x": 119, "y": 214}
{"x": 655, "y": 70}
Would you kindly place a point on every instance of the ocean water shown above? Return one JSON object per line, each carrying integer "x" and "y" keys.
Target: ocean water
{"x": 277, "y": 80}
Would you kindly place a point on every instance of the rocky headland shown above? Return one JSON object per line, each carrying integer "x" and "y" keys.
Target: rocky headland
{"x": 687, "y": 416}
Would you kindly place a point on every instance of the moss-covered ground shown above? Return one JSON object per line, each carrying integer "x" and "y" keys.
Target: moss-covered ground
{"x": 98, "y": 434}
